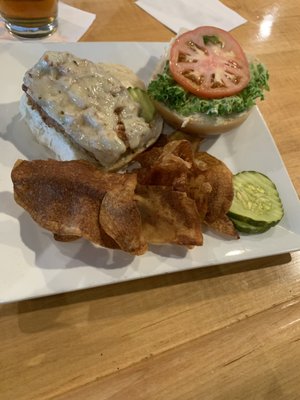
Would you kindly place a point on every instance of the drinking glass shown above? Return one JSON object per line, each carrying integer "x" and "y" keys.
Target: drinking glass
{"x": 29, "y": 18}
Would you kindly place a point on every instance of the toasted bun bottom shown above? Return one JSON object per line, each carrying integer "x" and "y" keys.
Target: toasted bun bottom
{"x": 65, "y": 149}
{"x": 200, "y": 124}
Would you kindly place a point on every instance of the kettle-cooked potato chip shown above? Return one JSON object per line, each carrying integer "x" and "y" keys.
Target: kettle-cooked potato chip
{"x": 166, "y": 200}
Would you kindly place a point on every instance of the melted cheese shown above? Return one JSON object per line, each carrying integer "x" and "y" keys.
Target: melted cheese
{"x": 89, "y": 103}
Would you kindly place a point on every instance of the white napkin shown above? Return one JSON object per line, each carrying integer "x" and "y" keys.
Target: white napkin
{"x": 72, "y": 24}
{"x": 190, "y": 14}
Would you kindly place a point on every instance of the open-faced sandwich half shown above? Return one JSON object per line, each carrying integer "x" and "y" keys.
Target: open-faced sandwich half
{"x": 206, "y": 85}
{"x": 83, "y": 110}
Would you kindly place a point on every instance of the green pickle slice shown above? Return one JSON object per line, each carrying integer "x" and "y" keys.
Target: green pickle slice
{"x": 147, "y": 106}
{"x": 256, "y": 206}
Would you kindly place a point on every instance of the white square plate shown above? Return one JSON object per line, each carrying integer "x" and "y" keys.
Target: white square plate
{"x": 33, "y": 264}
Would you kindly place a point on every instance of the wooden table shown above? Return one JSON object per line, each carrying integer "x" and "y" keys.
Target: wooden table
{"x": 227, "y": 332}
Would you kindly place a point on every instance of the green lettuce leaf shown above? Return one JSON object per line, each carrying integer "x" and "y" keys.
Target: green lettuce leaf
{"x": 166, "y": 90}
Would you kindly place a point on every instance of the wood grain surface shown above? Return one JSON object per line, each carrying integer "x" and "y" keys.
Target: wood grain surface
{"x": 226, "y": 332}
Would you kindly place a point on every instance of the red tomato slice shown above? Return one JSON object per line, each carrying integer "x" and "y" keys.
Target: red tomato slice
{"x": 209, "y": 63}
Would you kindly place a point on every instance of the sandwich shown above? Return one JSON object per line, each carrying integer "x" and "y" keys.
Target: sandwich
{"x": 205, "y": 84}
{"x": 82, "y": 110}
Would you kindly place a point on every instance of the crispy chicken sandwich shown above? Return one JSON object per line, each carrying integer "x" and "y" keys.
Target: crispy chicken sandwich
{"x": 82, "y": 110}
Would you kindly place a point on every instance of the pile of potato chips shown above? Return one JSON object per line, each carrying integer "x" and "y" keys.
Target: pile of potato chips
{"x": 169, "y": 196}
